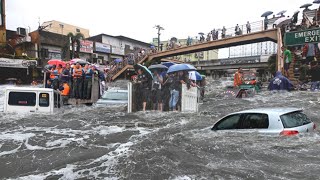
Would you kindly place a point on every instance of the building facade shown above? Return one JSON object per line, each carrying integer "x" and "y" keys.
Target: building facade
{"x": 175, "y": 43}
{"x": 109, "y": 48}
{"x": 64, "y": 28}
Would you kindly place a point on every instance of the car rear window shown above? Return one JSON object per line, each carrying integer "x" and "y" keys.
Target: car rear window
{"x": 22, "y": 99}
{"x": 115, "y": 95}
{"x": 294, "y": 119}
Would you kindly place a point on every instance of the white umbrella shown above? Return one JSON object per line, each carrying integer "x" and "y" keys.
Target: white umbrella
{"x": 282, "y": 21}
{"x": 194, "y": 75}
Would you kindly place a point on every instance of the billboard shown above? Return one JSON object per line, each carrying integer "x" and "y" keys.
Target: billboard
{"x": 117, "y": 50}
{"x": 105, "y": 48}
{"x": 86, "y": 46}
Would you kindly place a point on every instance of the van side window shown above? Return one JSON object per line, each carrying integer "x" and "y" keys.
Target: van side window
{"x": 22, "y": 99}
{"x": 255, "y": 121}
{"x": 44, "y": 100}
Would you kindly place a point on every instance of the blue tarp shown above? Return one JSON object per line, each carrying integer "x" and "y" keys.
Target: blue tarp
{"x": 280, "y": 82}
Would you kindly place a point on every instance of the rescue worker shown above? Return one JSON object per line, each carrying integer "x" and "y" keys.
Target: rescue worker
{"x": 54, "y": 77}
{"x": 77, "y": 75}
{"x": 64, "y": 90}
{"x": 238, "y": 80}
{"x": 87, "y": 85}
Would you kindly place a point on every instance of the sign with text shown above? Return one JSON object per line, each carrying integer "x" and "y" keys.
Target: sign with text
{"x": 105, "y": 48}
{"x": 17, "y": 63}
{"x": 86, "y": 46}
{"x": 302, "y": 37}
{"x": 117, "y": 50}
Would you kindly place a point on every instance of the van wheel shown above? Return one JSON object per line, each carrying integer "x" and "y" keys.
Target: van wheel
{"x": 88, "y": 104}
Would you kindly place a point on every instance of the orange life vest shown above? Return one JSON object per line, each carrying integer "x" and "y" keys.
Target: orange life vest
{"x": 77, "y": 72}
{"x": 237, "y": 79}
{"x": 55, "y": 73}
{"x": 66, "y": 90}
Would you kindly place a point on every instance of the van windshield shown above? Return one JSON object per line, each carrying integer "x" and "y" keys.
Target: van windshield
{"x": 294, "y": 119}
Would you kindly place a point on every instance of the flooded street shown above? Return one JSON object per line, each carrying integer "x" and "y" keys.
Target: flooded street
{"x": 103, "y": 143}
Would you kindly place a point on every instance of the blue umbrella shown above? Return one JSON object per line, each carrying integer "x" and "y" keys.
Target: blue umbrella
{"x": 195, "y": 75}
{"x": 118, "y": 60}
{"x": 181, "y": 67}
{"x": 145, "y": 69}
{"x": 168, "y": 64}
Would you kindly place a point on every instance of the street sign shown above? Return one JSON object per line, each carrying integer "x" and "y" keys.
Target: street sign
{"x": 301, "y": 37}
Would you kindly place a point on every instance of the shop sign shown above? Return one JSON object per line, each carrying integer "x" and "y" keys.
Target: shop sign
{"x": 17, "y": 63}
{"x": 105, "y": 48}
{"x": 86, "y": 46}
{"x": 302, "y": 37}
{"x": 117, "y": 50}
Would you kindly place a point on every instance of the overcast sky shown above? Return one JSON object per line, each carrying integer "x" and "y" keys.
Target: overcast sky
{"x": 136, "y": 18}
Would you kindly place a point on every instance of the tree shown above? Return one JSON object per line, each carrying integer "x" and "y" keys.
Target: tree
{"x": 75, "y": 39}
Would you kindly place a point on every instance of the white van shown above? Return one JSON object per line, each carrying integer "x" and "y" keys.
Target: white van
{"x": 31, "y": 100}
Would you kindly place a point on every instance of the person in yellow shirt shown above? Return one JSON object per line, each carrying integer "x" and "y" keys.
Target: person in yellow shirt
{"x": 238, "y": 80}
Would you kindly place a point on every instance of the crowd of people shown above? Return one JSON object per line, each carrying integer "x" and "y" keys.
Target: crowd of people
{"x": 163, "y": 91}
{"x": 75, "y": 81}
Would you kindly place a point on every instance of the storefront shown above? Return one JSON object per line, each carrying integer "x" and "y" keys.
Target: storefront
{"x": 52, "y": 52}
{"x": 117, "y": 53}
{"x": 20, "y": 69}
{"x": 103, "y": 52}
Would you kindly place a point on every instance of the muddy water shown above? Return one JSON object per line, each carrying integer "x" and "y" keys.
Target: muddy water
{"x": 105, "y": 143}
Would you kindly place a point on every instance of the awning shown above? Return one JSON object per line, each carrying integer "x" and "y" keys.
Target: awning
{"x": 17, "y": 63}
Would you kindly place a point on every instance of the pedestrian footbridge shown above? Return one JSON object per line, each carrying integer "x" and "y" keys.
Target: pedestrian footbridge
{"x": 261, "y": 36}
{"x": 230, "y": 41}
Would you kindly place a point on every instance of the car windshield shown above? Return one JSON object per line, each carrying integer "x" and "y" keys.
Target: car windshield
{"x": 115, "y": 96}
{"x": 294, "y": 119}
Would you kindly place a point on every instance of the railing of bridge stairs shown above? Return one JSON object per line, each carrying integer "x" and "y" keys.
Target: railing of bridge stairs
{"x": 256, "y": 26}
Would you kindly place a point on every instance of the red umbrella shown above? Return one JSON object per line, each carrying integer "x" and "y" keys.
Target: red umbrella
{"x": 57, "y": 62}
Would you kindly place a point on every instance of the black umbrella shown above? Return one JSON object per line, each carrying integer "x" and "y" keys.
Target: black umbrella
{"x": 281, "y": 12}
{"x": 268, "y": 13}
{"x": 201, "y": 33}
{"x": 306, "y": 5}
{"x": 144, "y": 69}
{"x": 157, "y": 66}
{"x": 316, "y": 1}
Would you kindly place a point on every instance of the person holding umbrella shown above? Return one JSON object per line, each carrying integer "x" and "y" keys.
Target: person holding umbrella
{"x": 144, "y": 82}
{"x": 156, "y": 90}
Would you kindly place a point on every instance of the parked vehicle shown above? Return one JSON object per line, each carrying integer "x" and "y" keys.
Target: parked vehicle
{"x": 114, "y": 96}
{"x": 31, "y": 100}
{"x": 280, "y": 121}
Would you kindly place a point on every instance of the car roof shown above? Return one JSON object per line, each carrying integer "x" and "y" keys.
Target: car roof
{"x": 28, "y": 89}
{"x": 274, "y": 110}
{"x": 117, "y": 90}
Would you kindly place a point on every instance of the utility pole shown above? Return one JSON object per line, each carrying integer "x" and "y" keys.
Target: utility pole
{"x": 3, "y": 38}
{"x": 159, "y": 29}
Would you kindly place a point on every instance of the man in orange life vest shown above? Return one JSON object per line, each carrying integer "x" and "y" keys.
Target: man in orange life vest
{"x": 77, "y": 75}
{"x": 64, "y": 90}
{"x": 238, "y": 80}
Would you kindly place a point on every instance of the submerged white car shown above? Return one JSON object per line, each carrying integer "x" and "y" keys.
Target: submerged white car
{"x": 281, "y": 121}
{"x": 114, "y": 96}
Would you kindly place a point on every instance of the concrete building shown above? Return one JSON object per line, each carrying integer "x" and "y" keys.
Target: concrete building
{"x": 109, "y": 48}
{"x": 64, "y": 28}
{"x": 200, "y": 56}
